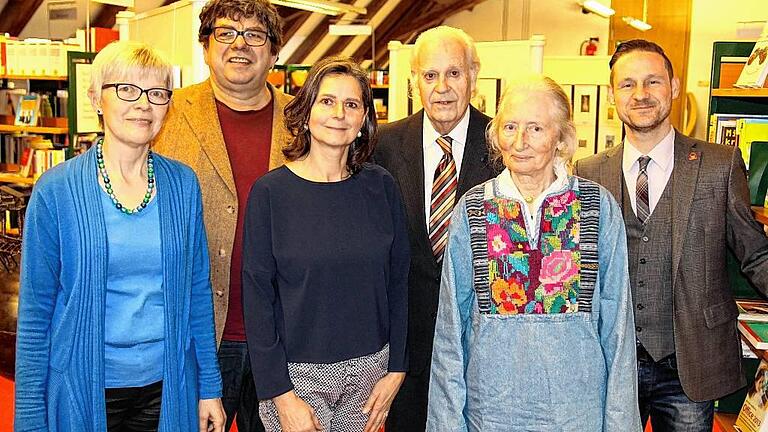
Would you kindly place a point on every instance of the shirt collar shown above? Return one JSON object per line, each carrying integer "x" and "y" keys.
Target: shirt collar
{"x": 662, "y": 154}
{"x": 458, "y": 134}
{"x": 508, "y": 187}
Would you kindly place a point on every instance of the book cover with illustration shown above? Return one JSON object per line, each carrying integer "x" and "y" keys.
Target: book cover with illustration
{"x": 752, "y": 415}
{"x": 755, "y": 332}
{"x": 28, "y": 111}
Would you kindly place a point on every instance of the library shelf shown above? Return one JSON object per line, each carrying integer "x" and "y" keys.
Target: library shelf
{"x": 34, "y": 77}
{"x": 6, "y": 177}
{"x": 33, "y": 129}
{"x": 740, "y": 92}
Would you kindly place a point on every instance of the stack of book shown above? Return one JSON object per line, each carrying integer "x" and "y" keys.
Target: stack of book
{"x": 753, "y": 325}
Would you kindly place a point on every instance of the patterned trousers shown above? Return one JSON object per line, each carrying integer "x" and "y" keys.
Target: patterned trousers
{"x": 336, "y": 391}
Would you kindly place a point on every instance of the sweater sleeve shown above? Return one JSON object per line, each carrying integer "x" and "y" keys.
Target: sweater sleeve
{"x": 268, "y": 359}
{"x": 616, "y": 324}
{"x": 38, "y": 292}
{"x": 397, "y": 289}
{"x": 201, "y": 313}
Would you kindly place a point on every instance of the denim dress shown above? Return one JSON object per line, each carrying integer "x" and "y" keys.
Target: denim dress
{"x": 534, "y": 329}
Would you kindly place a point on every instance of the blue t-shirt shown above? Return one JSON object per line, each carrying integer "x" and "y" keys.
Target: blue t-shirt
{"x": 133, "y": 353}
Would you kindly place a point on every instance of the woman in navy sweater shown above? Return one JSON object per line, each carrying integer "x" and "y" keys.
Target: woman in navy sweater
{"x": 115, "y": 328}
{"x": 325, "y": 266}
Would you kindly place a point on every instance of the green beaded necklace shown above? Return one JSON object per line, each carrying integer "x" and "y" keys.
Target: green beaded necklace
{"x": 108, "y": 185}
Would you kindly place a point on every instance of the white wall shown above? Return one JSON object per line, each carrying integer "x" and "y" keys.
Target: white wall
{"x": 711, "y": 22}
{"x": 561, "y": 21}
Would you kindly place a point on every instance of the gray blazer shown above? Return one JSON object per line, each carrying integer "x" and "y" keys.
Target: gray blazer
{"x": 710, "y": 209}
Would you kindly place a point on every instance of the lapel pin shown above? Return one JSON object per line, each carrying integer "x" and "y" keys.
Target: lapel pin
{"x": 692, "y": 156}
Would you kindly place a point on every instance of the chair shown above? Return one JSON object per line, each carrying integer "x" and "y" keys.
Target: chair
{"x": 12, "y": 202}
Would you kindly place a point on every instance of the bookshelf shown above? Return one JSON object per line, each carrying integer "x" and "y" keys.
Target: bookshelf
{"x": 740, "y": 92}
{"x": 33, "y": 129}
{"x": 34, "y": 77}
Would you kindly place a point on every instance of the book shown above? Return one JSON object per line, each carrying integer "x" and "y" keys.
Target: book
{"x": 755, "y": 332}
{"x": 747, "y": 131}
{"x": 754, "y": 72}
{"x": 717, "y": 118}
{"x": 752, "y": 417}
{"x": 28, "y": 111}
{"x": 752, "y": 310}
{"x": 758, "y": 172}
{"x": 27, "y": 157}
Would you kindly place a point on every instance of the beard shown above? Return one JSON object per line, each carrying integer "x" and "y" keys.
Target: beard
{"x": 646, "y": 125}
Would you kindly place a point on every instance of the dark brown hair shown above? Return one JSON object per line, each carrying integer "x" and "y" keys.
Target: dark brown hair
{"x": 236, "y": 10}
{"x": 639, "y": 45}
{"x": 297, "y": 111}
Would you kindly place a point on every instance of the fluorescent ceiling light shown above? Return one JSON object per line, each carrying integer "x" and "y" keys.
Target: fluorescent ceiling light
{"x": 321, "y": 6}
{"x": 350, "y": 30}
{"x": 636, "y": 23}
{"x": 595, "y": 6}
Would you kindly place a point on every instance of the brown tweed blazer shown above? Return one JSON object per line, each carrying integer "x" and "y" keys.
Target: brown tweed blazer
{"x": 192, "y": 134}
{"x": 710, "y": 212}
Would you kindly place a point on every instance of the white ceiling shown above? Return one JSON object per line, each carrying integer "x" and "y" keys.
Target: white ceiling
{"x": 39, "y": 26}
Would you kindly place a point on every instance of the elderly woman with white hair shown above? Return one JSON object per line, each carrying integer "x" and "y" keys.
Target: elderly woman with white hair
{"x": 534, "y": 329}
{"x": 115, "y": 324}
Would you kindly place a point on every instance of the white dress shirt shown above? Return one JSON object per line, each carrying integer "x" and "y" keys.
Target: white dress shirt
{"x": 508, "y": 188}
{"x": 433, "y": 153}
{"x": 659, "y": 169}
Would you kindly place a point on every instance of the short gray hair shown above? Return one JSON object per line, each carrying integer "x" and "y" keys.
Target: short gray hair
{"x": 121, "y": 58}
{"x": 563, "y": 114}
{"x": 442, "y": 34}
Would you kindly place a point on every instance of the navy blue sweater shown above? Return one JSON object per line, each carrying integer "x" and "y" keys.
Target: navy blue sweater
{"x": 325, "y": 273}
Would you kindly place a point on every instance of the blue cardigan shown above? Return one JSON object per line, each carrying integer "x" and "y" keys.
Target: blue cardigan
{"x": 60, "y": 337}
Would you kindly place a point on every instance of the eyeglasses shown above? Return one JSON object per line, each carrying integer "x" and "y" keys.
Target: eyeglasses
{"x": 132, "y": 93}
{"x": 252, "y": 37}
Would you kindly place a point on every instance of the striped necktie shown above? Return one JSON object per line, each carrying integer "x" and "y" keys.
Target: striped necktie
{"x": 642, "y": 204}
{"x": 443, "y": 198}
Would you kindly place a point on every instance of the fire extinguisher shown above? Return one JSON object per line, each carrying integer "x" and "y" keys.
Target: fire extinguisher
{"x": 589, "y": 46}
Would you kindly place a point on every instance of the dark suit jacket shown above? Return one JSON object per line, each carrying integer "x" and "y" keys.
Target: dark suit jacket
{"x": 400, "y": 151}
{"x": 710, "y": 209}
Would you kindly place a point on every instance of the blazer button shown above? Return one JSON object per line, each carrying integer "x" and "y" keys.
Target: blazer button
{"x": 642, "y": 260}
{"x": 230, "y": 209}
{"x": 220, "y": 293}
{"x": 639, "y": 329}
{"x": 222, "y": 253}
{"x": 640, "y": 306}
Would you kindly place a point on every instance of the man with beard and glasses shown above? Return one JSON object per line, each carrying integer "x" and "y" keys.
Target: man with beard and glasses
{"x": 229, "y": 129}
{"x": 683, "y": 200}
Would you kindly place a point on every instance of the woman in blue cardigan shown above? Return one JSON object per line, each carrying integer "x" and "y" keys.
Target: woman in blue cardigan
{"x": 115, "y": 326}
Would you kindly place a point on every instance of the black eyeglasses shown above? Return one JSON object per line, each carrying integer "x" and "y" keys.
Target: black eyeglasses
{"x": 252, "y": 37}
{"x": 132, "y": 93}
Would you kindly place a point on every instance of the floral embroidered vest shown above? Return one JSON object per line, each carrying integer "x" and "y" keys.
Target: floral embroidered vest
{"x": 553, "y": 274}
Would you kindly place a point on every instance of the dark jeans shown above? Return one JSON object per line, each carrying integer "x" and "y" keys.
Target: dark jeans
{"x": 239, "y": 391}
{"x": 662, "y": 397}
{"x": 134, "y": 409}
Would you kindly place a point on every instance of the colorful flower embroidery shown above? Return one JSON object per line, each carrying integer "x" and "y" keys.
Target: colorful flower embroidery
{"x": 538, "y": 281}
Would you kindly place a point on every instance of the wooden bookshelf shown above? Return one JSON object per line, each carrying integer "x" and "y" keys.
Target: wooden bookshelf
{"x": 8, "y": 177}
{"x": 34, "y": 77}
{"x": 33, "y": 129}
{"x": 741, "y": 92}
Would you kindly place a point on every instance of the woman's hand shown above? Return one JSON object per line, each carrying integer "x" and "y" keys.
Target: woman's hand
{"x": 380, "y": 400}
{"x": 295, "y": 415}
{"x": 211, "y": 415}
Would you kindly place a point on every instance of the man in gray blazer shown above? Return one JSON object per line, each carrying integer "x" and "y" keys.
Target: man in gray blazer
{"x": 444, "y": 67}
{"x": 684, "y": 201}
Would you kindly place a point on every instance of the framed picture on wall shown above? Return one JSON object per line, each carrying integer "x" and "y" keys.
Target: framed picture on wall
{"x": 486, "y": 98}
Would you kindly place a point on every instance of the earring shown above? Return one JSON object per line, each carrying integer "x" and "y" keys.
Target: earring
{"x": 359, "y": 134}
{"x": 98, "y": 111}
{"x": 306, "y": 126}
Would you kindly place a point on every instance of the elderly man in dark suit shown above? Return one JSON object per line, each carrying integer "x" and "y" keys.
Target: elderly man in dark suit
{"x": 435, "y": 155}
{"x": 683, "y": 201}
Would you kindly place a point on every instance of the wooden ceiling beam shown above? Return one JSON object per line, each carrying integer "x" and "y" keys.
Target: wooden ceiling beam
{"x": 399, "y": 18}
{"x": 317, "y": 34}
{"x": 107, "y": 16}
{"x": 16, "y": 14}
{"x": 299, "y": 18}
{"x": 343, "y": 41}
